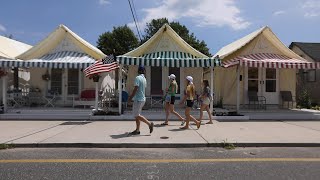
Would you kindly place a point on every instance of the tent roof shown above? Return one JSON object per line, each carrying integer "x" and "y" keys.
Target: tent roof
{"x": 52, "y": 40}
{"x": 10, "y": 48}
{"x": 165, "y": 36}
{"x": 243, "y": 42}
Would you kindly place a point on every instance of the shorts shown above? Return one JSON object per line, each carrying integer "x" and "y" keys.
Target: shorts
{"x": 206, "y": 101}
{"x": 189, "y": 103}
{"x": 170, "y": 99}
{"x": 137, "y": 107}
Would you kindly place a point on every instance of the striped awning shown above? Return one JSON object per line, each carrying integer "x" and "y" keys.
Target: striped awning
{"x": 64, "y": 59}
{"x": 268, "y": 60}
{"x": 169, "y": 59}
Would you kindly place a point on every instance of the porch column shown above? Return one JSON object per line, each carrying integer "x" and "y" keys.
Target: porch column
{"x": 120, "y": 88}
{"x": 97, "y": 97}
{"x": 4, "y": 92}
{"x": 238, "y": 88}
{"x": 211, "y": 87}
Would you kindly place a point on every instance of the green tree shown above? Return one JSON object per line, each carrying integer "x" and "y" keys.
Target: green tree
{"x": 181, "y": 30}
{"x": 121, "y": 40}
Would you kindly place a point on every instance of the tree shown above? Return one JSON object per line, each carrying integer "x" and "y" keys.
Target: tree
{"x": 121, "y": 40}
{"x": 181, "y": 30}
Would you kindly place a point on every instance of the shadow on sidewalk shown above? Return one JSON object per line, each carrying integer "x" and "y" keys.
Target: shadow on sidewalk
{"x": 125, "y": 135}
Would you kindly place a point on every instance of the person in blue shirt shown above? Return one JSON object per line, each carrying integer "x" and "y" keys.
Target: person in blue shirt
{"x": 139, "y": 99}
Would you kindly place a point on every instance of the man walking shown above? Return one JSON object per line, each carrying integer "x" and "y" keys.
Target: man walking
{"x": 139, "y": 99}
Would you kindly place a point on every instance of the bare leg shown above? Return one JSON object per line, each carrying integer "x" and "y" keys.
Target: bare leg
{"x": 187, "y": 113}
{"x": 143, "y": 119}
{"x": 175, "y": 112}
{"x": 137, "y": 123}
{"x": 203, "y": 106}
{"x": 210, "y": 115}
{"x": 167, "y": 108}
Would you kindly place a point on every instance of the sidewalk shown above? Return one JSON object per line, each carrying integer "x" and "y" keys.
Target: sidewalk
{"x": 114, "y": 134}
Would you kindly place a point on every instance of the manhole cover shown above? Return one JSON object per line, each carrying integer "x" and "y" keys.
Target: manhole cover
{"x": 164, "y": 137}
{"x": 75, "y": 123}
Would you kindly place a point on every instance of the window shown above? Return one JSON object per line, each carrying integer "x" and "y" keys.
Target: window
{"x": 73, "y": 81}
{"x": 271, "y": 80}
{"x": 56, "y": 80}
{"x": 311, "y": 75}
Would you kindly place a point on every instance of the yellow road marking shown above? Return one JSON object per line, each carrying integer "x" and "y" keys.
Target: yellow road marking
{"x": 159, "y": 160}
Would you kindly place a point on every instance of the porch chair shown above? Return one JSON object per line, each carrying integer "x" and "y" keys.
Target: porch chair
{"x": 286, "y": 96}
{"x": 50, "y": 98}
{"x": 157, "y": 99}
{"x": 258, "y": 101}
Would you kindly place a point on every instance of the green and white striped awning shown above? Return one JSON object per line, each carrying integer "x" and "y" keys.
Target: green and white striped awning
{"x": 169, "y": 59}
{"x": 65, "y": 59}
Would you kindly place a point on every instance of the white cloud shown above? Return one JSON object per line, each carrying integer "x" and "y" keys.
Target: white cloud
{"x": 104, "y": 2}
{"x": 2, "y": 28}
{"x": 217, "y": 13}
{"x": 311, "y": 8}
{"x": 277, "y": 13}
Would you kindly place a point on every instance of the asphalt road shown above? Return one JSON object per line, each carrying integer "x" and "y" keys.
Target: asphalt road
{"x": 193, "y": 163}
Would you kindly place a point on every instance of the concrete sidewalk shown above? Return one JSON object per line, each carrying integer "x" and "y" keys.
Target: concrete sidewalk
{"x": 114, "y": 134}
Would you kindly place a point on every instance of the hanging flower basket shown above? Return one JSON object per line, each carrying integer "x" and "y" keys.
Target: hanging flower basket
{"x": 3, "y": 73}
{"x": 46, "y": 77}
{"x": 95, "y": 77}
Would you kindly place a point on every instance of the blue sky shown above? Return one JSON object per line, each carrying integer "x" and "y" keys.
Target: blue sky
{"x": 217, "y": 22}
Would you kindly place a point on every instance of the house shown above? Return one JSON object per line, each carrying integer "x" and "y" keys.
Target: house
{"x": 55, "y": 65}
{"x": 260, "y": 63}
{"x": 308, "y": 79}
{"x": 163, "y": 54}
{"x": 9, "y": 49}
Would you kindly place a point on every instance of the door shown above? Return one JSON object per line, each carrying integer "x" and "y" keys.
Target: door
{"x": 156, "y": 81}
{"x": 66, "y": 83}
{"x": 265, "y": 81}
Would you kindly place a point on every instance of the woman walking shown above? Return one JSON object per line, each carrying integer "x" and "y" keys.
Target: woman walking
{"x": 206, "y": 98}
{"x": 170, "y": 99}
{"x": 189, "y": 97}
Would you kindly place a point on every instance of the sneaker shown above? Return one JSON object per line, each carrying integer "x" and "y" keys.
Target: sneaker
{"x": 182, "y": 123}
{"x": 151, "y": 127}
{"x": 135, "y": 132}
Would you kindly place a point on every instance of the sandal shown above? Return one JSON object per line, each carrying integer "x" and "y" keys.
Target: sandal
{"x": 198, "y": 124}
{"x": 164, "y": 124}
{"x": 209, "y": 122}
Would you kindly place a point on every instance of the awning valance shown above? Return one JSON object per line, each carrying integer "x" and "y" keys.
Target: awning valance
{"x": 65, "y": 59}
{"x": 269, "y": 60}
{"x": 169, "y": 59}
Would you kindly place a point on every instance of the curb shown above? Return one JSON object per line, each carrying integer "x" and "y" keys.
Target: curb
{"x": 152, "y": 145}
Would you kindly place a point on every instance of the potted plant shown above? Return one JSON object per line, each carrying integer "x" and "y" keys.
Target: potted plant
{"x": 3, "y": 72}
{"x": 46, "y": 77}
{"x": 95, "y": 77}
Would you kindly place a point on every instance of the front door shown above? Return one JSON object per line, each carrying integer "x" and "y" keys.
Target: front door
{"x": 265, "y": 81}
{"x": 66, "y": 83}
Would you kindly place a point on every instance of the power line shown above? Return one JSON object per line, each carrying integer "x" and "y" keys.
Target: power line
{"x": 135, "y": 13}
{"x": 135, "y": 22}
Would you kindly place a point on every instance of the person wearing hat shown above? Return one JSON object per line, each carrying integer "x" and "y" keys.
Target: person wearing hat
{"x": 139, "y": 99}
{"x": 189, "y": 97}
{"x": 170, "y": 98}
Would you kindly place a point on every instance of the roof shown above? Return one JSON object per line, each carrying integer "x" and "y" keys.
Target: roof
{"x": 52, "y": 41}
{"x": 165, "y": 39}
{"x": 10, "y": 48}
{"x": 243, "y": 42}
{"x": 311, "y": 49}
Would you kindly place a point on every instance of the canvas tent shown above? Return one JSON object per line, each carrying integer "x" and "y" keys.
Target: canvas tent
{"x": 62, "y": 55}
{"x": 257, "y": 62}
{"x": 165, "y": 53}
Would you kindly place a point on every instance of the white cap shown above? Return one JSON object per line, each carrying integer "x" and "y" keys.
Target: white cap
{"x": 172, "y": 76}
{"x": 189, "y": 78}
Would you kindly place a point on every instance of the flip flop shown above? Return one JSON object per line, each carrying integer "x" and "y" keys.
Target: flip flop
{"x": 209, "y": 122}
{"x": 198, "y": 125}
{"x": 164, "y": 124}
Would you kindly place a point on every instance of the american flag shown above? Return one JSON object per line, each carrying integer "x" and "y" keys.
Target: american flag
{"x": 106, "y": 64}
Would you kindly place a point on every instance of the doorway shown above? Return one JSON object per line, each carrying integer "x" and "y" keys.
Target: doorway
{"x": 265, "y": 81}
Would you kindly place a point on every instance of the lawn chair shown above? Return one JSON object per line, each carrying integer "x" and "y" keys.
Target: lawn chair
{"x": 257, "y": 101}
{"x": 286, "y": 96}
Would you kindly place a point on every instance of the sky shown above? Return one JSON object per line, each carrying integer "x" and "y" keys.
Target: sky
{"x": 217, "y": 22}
